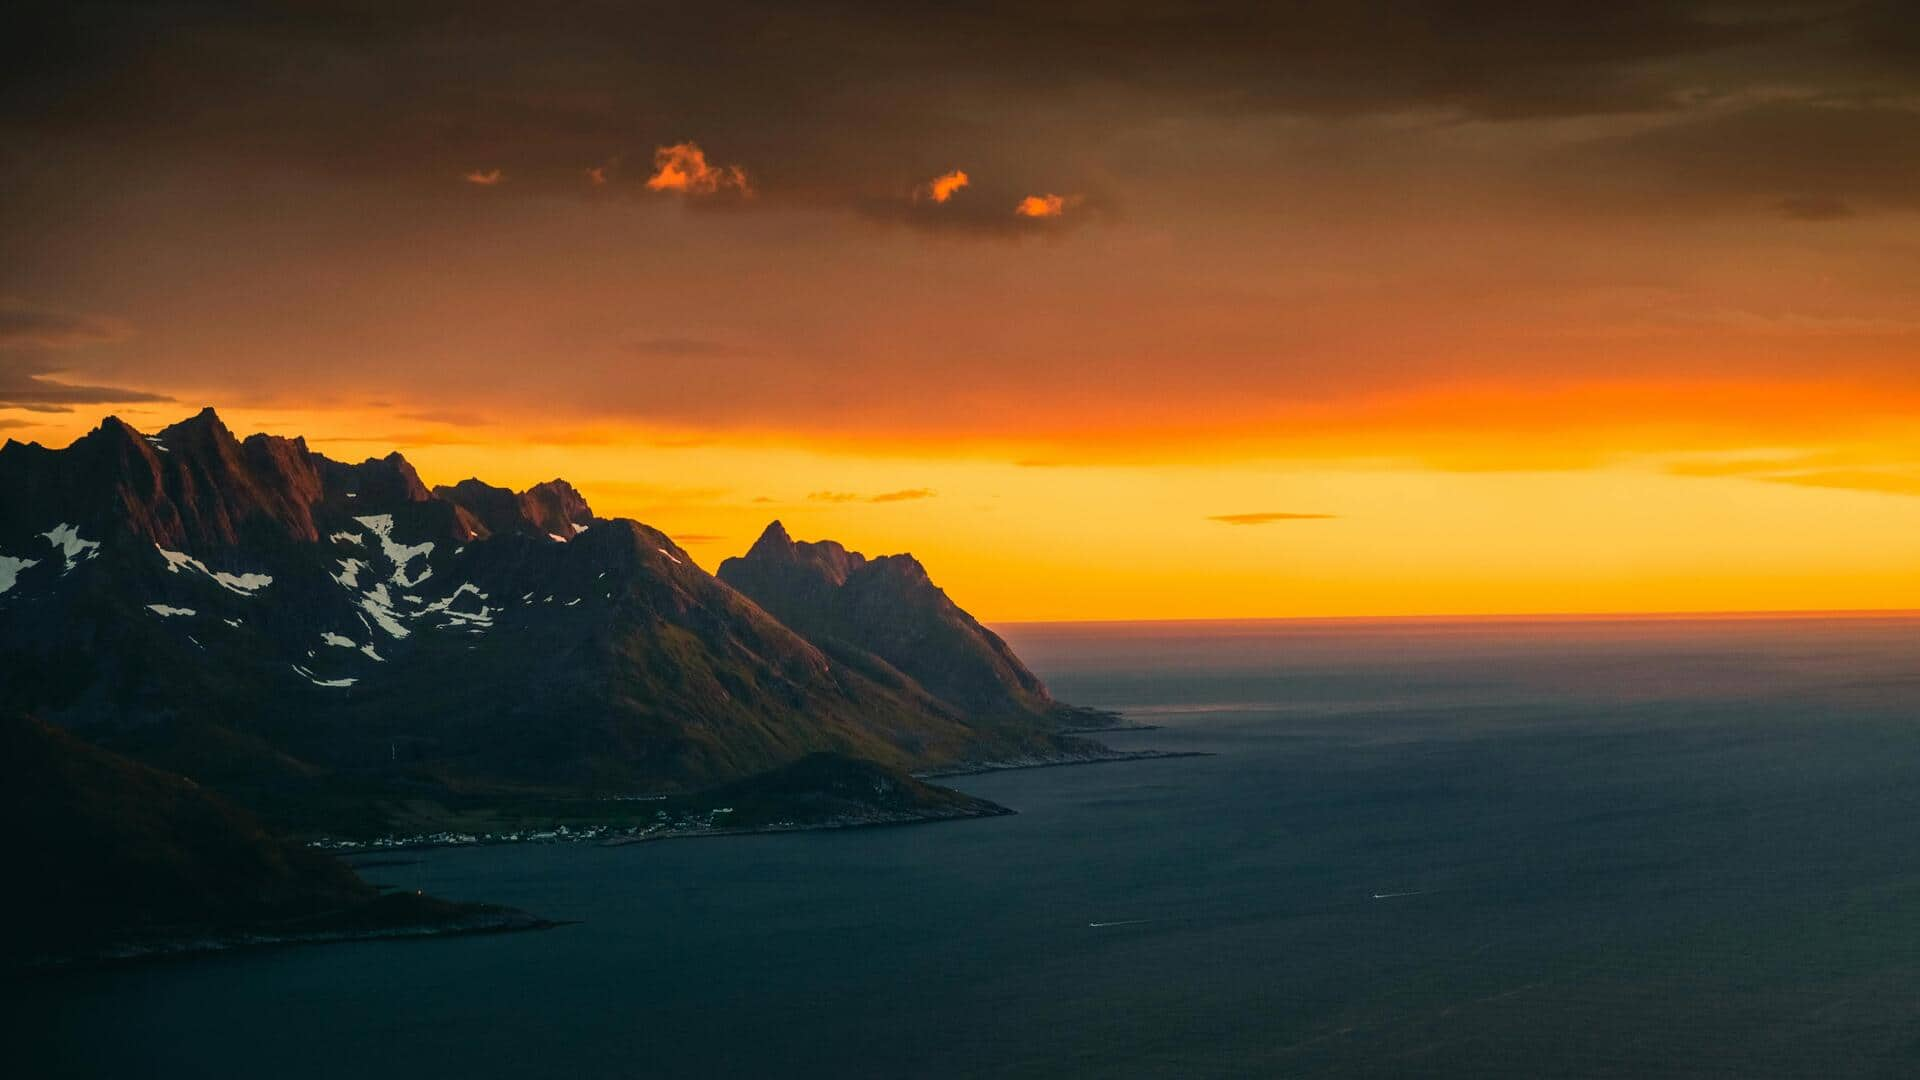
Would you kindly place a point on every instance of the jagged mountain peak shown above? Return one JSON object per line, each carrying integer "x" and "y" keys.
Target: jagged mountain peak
{"x": 556, "y": 506}
{"x": 111, "y": 431}
{"x": 774, "y": 538}
{"x": 206, "y": 421}
{"x": 388, "y": 479}
{"x": 887, "y": 609}
{"x": 553, "y": 508}
{"x": 828, "y": 558}
{"x": 558, "y": 485}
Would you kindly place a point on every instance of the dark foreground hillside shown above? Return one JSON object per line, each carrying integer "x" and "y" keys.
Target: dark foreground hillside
{"x": 113, "y": 858}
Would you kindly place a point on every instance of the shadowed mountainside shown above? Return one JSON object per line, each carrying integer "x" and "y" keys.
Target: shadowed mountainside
{"x": 886, "y": 616}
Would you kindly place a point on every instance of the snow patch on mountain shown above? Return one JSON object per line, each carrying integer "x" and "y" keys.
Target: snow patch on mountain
{"x": 342, "y": 641}
{"x": 375, "y": 604}
{"x": 166, "y": 612}
{"x": 244, "y": 584}
{"x": 10, "y": 568}
{"x": 317, "y": 681}
{"x": 381, "y": 525}
{"x": 444, "y": 606}
{"x": 66, "y": 538}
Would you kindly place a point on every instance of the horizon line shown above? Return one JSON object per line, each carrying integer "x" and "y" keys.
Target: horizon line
{"x": 1763, "y": 615}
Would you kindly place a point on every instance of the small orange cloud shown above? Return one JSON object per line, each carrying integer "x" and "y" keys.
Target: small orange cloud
{"x": 683, "y": 167}
{"x": 908, "y": 495}
{"x": 1827, "y": 470}
{"x": 485, "y": 179}
{"x": 1266, "y": 518}
{"x": 1046, "y": 206}
{"x": 597, "y": 175}
{"x": 942, "y": 187}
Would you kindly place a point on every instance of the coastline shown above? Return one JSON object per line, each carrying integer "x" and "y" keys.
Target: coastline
{"x": 611, "y": 836}
{"x": 873, "y": 822}
{"x": 1105, "y": 758}
{"x": 470, "y": 919}
{"x": 620, "y": 836}
{"x": 398, "y": 916}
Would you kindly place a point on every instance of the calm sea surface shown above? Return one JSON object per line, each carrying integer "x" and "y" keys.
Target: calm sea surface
{"x": 1492, "y": 849}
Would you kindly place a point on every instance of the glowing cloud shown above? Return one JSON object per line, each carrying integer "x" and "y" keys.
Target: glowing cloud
{"x": 942, "y": 187}
{"x": 683, "y": 167}
{"x": 485, "y": 179}
{"x": 1046, "y": 206}
{"x": 597, "y": 176}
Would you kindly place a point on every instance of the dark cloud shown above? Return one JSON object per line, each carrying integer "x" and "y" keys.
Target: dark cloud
{"x": 24, "y": 325}
{"x": 848, "y": 102}
{"x": 1267, "y": 518}
{"x": 24, "y": 384}
{"x": 1813, "y": 160}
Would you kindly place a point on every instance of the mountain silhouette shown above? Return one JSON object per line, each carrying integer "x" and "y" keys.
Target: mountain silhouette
{"x": 270, "y": 620}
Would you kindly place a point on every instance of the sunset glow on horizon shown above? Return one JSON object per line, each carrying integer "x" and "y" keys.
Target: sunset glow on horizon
{"x": 1626, "y": 328}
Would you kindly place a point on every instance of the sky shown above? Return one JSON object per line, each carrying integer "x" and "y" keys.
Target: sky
{"x": 1116, "y": 310}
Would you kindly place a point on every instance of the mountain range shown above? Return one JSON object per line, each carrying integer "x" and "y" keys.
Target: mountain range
{"x": 284, "y": 626}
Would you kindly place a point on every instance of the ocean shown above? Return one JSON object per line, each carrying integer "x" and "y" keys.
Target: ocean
{"x": 1417, "y": 848}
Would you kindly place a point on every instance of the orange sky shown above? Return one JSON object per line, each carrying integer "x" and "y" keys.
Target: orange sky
{"x": 1580, "y": 310}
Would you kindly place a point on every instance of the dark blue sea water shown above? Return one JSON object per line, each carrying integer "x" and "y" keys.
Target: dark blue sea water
{"x": 1492, "y": 849}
